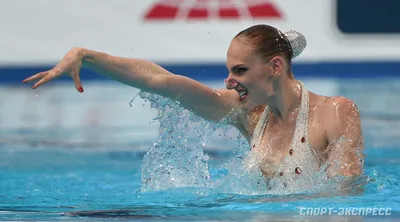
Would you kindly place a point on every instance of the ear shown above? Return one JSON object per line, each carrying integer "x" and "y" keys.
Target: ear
{"x": 277, "y": 64}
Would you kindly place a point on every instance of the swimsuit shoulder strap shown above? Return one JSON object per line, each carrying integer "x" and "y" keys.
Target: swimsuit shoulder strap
{"x": 301, "y": 138}
{"x": 260, "y": 127}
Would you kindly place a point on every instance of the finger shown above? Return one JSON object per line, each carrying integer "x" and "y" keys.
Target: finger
{"x": 35, "y": 77}
{"x": 42, "y": 81}
{"x": 77, "y": 80}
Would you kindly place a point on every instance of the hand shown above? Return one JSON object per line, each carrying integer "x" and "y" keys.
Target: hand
{"x": 70, "y": 65}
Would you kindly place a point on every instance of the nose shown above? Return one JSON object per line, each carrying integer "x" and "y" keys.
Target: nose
{"x": 230, "y": 83}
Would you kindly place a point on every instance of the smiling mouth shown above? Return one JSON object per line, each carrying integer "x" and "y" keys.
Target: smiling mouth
{"x": 242, "y": 94}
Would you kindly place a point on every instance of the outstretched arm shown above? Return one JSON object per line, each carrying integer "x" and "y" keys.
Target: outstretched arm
{"x": 206, "y": 102}
{"x": 345, "y": 137}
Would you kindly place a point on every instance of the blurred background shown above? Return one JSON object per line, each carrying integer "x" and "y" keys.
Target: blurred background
{"x": 353, "y": 50}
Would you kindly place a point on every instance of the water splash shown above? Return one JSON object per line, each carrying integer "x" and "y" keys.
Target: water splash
{"x": 177, "y": 158}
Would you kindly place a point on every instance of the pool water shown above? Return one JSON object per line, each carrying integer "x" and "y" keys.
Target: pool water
{"x": 52, "y": 184}
{"x": 63, "y": 169}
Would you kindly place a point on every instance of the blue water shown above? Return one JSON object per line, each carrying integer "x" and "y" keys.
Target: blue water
{"x": 46, "y": 175}
{"x": 48, "y": 184}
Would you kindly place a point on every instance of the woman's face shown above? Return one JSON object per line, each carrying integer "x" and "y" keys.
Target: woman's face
{"x": 249, "y": 74}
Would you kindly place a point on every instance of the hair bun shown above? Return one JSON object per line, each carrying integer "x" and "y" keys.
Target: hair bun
{"x": 297, "y": 41}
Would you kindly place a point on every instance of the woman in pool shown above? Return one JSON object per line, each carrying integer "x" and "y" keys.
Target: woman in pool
{"x": 292, "y": 132}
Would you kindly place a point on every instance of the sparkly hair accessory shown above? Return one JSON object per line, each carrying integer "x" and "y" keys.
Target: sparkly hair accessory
{"x": 297, "y": 42}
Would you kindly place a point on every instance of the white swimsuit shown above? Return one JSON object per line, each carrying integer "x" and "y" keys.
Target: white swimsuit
{"x": 297, "y": 172}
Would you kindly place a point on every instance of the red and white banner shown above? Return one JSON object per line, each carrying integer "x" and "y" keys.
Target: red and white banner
{"x": 175, "y": 31}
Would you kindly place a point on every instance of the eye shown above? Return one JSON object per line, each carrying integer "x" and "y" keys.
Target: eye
{"x": 239, "y": 70}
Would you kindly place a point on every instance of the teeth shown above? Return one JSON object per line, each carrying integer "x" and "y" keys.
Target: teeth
{"x": 242, "y": 93}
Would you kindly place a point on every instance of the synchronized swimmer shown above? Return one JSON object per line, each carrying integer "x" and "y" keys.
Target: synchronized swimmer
{"x": 293, "y": 132}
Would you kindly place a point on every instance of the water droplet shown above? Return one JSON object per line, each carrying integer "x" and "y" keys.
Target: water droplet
{"x": 179, "y": 147}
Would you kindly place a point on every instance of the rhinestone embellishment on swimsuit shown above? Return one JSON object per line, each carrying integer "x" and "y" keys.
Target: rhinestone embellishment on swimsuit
{"x": 290, "y": 172}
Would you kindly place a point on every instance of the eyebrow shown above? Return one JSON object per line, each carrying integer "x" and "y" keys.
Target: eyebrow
{"x": 237, "y": 66}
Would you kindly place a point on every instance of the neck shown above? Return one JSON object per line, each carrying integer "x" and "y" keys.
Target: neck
{"x": 287, "y": 97}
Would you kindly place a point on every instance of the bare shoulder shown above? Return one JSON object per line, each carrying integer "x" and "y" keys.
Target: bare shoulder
{"x": 332, "y": 103}
{"x": 237, "y": 116}
{"x": 339, "y": 106}
{"x": 229, "y": 95}
{"x": 335, "y": 113}
{"x": 342, "y": 118}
